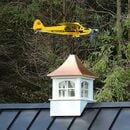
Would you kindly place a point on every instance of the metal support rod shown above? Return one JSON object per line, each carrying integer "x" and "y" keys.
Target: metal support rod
{"x": 72, "y": 47}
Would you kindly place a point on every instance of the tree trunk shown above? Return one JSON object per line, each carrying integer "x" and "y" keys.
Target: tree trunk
{"x": 129, "y": 20}
{"x": 64, "y": 10}
{"x": 118, "y": 21}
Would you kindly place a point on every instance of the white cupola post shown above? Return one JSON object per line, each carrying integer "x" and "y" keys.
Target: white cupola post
{"x": 72, "y": 88}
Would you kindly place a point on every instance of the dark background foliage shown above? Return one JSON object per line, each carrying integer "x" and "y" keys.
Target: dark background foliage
{"x": 26, "y": 58}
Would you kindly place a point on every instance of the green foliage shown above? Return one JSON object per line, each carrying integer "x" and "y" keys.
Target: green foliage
{"x": 111, "y": 65}
{"x": 103, "y": 94}
{"x": 127, "y": 23}
{"x": 115, "y": 88}
{"x": 117, "y": 81}
{"x": 101, "y": 66}
{"x": 128, "y": 51}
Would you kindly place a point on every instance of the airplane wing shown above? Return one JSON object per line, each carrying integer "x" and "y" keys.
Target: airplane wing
{"x": 72, "y": 27}
{"x": 70, "y": 24}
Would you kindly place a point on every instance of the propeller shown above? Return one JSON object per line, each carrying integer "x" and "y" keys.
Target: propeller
{"x": 93, "y": 34}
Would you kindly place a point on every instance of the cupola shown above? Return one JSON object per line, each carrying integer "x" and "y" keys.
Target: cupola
{"x": 72, "y": 88}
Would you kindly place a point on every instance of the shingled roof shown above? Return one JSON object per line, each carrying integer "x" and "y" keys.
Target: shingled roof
{"x": 96, "y": 116}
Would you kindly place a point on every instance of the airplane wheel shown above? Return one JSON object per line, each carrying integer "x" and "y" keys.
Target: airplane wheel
{"x": 78, "y": 39}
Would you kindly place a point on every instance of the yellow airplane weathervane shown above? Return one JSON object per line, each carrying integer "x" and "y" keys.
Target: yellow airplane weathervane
{"x": 74, "y": 29}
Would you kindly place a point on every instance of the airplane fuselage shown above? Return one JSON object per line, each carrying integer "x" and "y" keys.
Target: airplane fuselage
{"x": 74, "y": 29}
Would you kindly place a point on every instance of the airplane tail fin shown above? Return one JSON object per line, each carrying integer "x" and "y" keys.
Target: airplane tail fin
{"x": 38, "y": 25}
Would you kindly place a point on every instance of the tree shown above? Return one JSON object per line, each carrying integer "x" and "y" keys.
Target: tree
{"x": 113, "y": 64}
{"x": 118, "y": 21}
{"x": 26, "y": 58}
{"x": 129, "y": 20}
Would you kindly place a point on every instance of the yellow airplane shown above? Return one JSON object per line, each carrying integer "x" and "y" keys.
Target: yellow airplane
{"x": 74, "y": 29}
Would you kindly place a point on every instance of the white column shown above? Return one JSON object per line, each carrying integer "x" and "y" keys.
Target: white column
{"x": 78, "y": 88}
{"x": 54, "y": 89}
{"x": 91, "y": 89}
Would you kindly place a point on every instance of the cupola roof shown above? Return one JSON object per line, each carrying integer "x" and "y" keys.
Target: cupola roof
{"x": 72, "y": 67}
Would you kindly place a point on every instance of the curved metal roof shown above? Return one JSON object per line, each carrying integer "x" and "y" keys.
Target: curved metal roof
{"x": 72, "y": 67}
